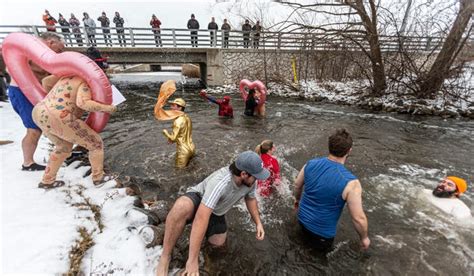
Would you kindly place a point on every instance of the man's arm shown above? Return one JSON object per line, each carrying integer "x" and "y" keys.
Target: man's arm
{"x": 252, "y": 206}
{"x": 199, "y": 227}
{"x": 354, "y": 203}
{"x": 177, "y": 125}
{"x": 299, "y": 183}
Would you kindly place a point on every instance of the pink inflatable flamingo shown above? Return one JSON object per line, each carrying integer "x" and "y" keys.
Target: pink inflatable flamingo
{"x": 19, "y": 48}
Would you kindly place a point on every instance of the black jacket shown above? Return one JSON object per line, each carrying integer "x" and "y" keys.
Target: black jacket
{"x": 193, "y": 24}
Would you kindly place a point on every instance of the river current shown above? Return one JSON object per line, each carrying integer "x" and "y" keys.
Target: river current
{"x": 394, "y": 156}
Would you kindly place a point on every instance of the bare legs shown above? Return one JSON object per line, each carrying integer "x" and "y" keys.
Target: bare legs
{"x": 29, "y": 145}
{"x": 182, "y": 211}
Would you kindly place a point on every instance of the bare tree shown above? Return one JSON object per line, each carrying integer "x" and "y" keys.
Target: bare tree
{"x": 367, "y": 13}
{"x": 453, "y": 44}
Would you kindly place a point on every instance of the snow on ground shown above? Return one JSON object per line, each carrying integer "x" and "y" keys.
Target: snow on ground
{"x": 39, "y": 228}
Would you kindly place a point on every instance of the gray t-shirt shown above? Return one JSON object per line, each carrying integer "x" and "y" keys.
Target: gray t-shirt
{"x": 220, "y": 193}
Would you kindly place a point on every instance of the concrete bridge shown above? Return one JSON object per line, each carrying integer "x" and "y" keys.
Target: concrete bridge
{"x": 225, "y": 58}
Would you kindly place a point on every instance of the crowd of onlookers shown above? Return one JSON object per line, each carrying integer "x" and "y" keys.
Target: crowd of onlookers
{"x": 71, "y": 29}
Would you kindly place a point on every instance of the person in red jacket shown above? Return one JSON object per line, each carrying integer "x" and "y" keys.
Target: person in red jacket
{"x": 265, "y": 150}
{"x": 225, "y": 108}
{"x": 49, "y": 21}
{"x": 155, "y": 24}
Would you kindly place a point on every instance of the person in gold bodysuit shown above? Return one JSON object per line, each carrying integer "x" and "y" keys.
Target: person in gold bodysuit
{"x": 182, "y": 125}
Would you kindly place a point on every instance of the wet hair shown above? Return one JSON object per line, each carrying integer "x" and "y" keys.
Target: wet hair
{"x": 233, "y": 169}
{"x": 340, "y": 142}
{"x": 50, "y": 36}
{"x": 264, "y": 147}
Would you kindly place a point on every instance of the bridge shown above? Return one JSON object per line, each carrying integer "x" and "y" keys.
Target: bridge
{"x": 222, "y": 57}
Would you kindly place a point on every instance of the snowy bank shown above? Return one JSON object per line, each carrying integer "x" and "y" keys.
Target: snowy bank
{"x": 356, "y": 93}
{"x": 48, "y": 231}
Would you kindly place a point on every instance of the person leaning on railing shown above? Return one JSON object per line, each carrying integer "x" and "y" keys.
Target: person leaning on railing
{"x": 212, "y": 27}
{"x": 246, "y": 29}
{"x": 105, "y": 24}
{"x": 49, "y": 21}
{"x": 75, "y": 23}
{"x": 226, "y": 29}
{"x": 193, "y": 25}
{"x": 65, "y": 29}
{"x": 118, "y": 21}
{"x": 155, "y": 24}
{"x": 90, "y": 28}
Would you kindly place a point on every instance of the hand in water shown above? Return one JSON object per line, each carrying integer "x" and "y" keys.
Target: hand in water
{"x": 260, "y": 232}
{"x": 364, "y": 243}
{"x": 192, "y": 269}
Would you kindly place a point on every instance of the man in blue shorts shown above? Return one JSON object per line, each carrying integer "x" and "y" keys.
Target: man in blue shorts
{"x": 205, "y": 205}
{"x": 324, "y": 185}
{"x": 23, "y": 107}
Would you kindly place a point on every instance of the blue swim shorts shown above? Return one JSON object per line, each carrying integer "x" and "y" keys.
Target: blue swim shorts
{"x": 22, "y": 106}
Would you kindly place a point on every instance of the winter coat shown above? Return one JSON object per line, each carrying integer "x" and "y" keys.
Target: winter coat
{"x": 193, "y": 24}
{"x": 104, "y": 21}
{"x": 212, "y": 26}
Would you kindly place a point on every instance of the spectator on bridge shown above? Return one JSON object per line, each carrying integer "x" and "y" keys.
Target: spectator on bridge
{"x": 193, "y": 25}
{"x": 90, "y": 28}
{"x": 65, "y": 29}
{"x": 246, "y": 29}
{"x": 212, "y": 27}
{"x": 49, "y": 21}
{"x": 155, "y": 24}
{"x": 105, "y": 24}
{"x": 75, "y": 23}
{"x": 226, "y": 29}
{"x": 120, "y": 31}
{"x": 256, "y": 34}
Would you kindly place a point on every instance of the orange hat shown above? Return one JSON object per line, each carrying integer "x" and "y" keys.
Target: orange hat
{"x": 461, "y": 184}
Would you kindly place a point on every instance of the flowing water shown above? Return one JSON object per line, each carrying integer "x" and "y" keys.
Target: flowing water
{"x": 394, "y": 156}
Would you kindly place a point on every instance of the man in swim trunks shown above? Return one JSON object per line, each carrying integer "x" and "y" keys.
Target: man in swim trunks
{"x": 205, "y": 206}
{"x": 23, "y": 107}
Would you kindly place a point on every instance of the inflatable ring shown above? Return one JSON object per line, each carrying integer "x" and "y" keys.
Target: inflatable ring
{"x": 19, "y": 48}
{"x": 251, "y": 85}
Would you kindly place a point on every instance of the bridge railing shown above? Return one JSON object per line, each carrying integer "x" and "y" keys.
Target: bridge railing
{"x": 182, "y": 38}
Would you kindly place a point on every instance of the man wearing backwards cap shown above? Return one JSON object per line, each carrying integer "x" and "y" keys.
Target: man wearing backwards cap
{"x": 181, "y": 135}
{"x": 205, "y": 205}
{"x": 446, "y": 197}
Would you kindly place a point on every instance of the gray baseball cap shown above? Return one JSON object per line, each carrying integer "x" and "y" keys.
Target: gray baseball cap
{"x": 250, "y": 162}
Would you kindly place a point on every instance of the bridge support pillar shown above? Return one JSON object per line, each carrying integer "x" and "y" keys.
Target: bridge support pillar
{"x": 213, "y": 73}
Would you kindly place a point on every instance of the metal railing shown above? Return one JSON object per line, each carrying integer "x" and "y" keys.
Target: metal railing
{"x": 183, "y": 38}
